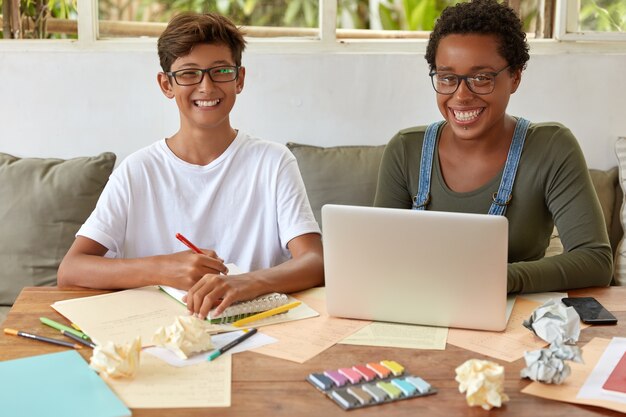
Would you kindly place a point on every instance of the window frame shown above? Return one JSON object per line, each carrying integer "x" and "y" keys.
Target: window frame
{"x": 327, "y": 42}
{"x": 566, "y": 25}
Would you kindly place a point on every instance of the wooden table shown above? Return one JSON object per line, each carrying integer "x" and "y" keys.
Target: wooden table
{"x": 265, "y": 386}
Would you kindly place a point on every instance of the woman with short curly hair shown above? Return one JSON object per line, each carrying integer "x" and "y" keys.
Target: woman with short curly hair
{"x": 486, "y": 161}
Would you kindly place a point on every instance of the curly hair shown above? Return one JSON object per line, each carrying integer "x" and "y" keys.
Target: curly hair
{"x": 189, "y": 29}
{"x": 484, "y": 17}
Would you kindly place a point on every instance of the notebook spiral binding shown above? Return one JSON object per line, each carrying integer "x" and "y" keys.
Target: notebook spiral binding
{"x": 243, "y": 309}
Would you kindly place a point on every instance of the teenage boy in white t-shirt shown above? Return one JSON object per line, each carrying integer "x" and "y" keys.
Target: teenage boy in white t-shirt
{"x": 240, "y": 197}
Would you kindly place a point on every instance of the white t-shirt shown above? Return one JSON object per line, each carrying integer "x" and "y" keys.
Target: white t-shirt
{"x": 246, "y": 205}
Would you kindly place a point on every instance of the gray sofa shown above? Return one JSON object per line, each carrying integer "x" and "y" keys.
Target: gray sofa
{"x": 348, "y": 175}
{"x": 43, "y": 203}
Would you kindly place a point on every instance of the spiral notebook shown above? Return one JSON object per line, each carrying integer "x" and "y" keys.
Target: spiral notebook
{"x": 237, "y": 310}
{"x": 244, "y": 309}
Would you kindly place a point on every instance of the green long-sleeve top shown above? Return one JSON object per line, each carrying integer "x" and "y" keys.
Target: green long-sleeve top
{"x": 552, "y": 186}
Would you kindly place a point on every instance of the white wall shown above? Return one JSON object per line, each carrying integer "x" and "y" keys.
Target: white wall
{"x": 73, "y": 103}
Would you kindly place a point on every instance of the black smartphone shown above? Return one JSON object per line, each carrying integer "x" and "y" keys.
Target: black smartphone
{"x": 590, "y": 310}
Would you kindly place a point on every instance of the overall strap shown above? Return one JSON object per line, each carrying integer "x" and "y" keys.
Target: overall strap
{"x": 422, "y": 198}
{"x": 502, "y": 198}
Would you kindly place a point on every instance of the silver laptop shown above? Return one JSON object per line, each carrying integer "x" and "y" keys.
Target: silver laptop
{"x": 419, "y": 267}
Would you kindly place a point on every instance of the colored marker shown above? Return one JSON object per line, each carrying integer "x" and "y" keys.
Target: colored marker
{"x": 79, "y": 339}
{"x": 265, "y": 314}
{"x": 61, "y": 327}
{"x": 14, "y": 332}
{"x": 188, "y": 243}
{"x": 218, "y": 352}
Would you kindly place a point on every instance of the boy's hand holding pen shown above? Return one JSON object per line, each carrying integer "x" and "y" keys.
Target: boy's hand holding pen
{"x": 222, "y": 270}
{"x": 192, "y": 307}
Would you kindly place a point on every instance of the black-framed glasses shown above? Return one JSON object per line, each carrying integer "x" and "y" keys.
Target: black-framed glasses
{"x": 480, "y": 83}
{"x": 193, "y": 76}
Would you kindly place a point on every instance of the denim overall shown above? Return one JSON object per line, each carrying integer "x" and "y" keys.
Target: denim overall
{"x": 502, "y": 198}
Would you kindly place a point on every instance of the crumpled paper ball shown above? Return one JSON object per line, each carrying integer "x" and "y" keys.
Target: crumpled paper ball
{"x": 555, "y": 323}
{"x": 484, "y": 383}
{"x": 187, "y": 335}
{"x": 548, "y": 365}
{"x": 117, "y": 361}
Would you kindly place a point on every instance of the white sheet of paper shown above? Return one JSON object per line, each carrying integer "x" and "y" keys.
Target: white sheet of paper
{"x": 218, "y": 340}
{"x": 592, "y": 388}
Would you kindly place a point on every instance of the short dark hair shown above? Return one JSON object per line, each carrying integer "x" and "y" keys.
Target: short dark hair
{"x": 484, "y": 17}
{"x": 187, "y": 30}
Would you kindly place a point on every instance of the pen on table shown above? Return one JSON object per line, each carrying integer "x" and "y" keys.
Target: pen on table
{"x": 62, "y": 327}
{"x": 14, "y": 332}
{"x": 218, "y": 352}
{"x": 188, "y": 243}
{"x": 78, "y": 339}
{"x": 266, "y": 314}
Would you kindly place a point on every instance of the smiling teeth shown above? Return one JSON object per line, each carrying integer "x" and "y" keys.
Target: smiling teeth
{"x": 465, "y": 116}
{"x": 206, "y": 103}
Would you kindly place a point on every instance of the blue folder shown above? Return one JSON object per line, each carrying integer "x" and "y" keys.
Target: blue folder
{"x": 56, "y": 384}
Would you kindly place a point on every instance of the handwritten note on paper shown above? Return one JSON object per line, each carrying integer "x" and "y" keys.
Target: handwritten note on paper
{"x": 569, "y": 389}
{"x": 301, "y": 340}
{"x": 159, "y": 385}
{"x": 121, "y": 316}
{"x": 508, "y": 345}
{"x": 399, "y": 335}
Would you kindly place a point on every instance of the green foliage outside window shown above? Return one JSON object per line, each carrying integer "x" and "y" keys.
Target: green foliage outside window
{"x": 603, "y": 15}
{"x": 411, "y": 14}
{"x": 35, "y": 14}
{"x": 595, "y": 15}
{"x": 274, "y": 13}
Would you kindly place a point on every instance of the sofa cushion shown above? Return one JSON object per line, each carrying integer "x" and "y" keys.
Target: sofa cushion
{"x": 44, "y": 202}
{"x": 4, "y": 311}
{"x": 609, "y": 194}
{"x": 606, "y": 184}
{"x": 619, "y": 276}
{"x": 338, "y": 175}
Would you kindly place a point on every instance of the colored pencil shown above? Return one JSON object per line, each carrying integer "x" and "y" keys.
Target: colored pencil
{"x": 218, "y": 352}
{"x": 61, "y": 327}
{"x": 79, "y": 339}
{"x": 14, "y": 332}
{"x": 265, "y": 314}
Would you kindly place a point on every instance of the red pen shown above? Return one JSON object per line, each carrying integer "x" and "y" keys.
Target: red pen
{"x": 188, "y": 243}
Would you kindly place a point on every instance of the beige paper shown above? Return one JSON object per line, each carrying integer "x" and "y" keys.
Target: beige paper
{"x": 400, "y": 336}
{"x": 121, "y": 316}
{"x": 580, "y": 371}
{"x": 159, "y": 385}
{"x": 299, "y": 341}
{"x": 508, "y": 345}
